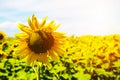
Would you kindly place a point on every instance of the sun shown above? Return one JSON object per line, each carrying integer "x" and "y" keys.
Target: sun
{"x": 2, "y": 36}
{"x": 38, "y": 41}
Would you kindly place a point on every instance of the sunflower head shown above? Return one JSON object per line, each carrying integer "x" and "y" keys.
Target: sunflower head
{"x": 40, "y": 40}
{"x": 2, "y": 36}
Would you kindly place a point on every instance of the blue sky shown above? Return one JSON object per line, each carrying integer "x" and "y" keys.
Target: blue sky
{"x": 78, "y": 17}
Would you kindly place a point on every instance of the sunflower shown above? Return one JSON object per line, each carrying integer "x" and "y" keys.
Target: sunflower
{"x": 39, "y": 41}
{"x": 3, "y": 55}
{"x": 2, "y": 36}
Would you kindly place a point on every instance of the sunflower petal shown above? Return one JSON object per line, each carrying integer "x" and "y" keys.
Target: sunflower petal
{"x": 21, "y": 36}
{"x": 24, "y": 28}
{"x": 43, "y": 58}
{"x": 59, "y": 51}
{"x": 31, "y": 24}
{"x": 53, "y": 55}
{"x": 35, "y": 22}
{"x": 56, "y": 27}
{"x": 49, "y": 24}
{"x": 59, "y": 35}
{"x": 43, "y": 22}
{"x": 31, "y": 58}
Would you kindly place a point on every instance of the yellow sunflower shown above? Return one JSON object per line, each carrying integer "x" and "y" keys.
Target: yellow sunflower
{"x": 2, "y": 36}
{"x": 39, "y": 41}
{"x": 3, "y": 55}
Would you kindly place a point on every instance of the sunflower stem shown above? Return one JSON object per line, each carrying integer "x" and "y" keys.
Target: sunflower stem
{"x": 38, "y": 73}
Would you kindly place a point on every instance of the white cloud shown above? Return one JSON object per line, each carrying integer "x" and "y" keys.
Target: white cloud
{"x": 76, "y": 16}
{"x": 91, "y": 28}
{"x": 10, "y": 28}
{"x": 19, "y": 4}
{"x": 8, "y": 25}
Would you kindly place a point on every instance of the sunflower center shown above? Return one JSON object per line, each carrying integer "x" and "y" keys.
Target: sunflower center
{"x": 1, "y": 36}
{"x": 40, "y": 42}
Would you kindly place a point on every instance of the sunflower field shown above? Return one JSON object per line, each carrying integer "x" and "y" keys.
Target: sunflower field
{"x": 86, "y": 57}
{"x": 39, "y": 52}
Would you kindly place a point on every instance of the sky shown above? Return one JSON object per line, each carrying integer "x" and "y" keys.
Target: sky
{"x": 78, "y": 17}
